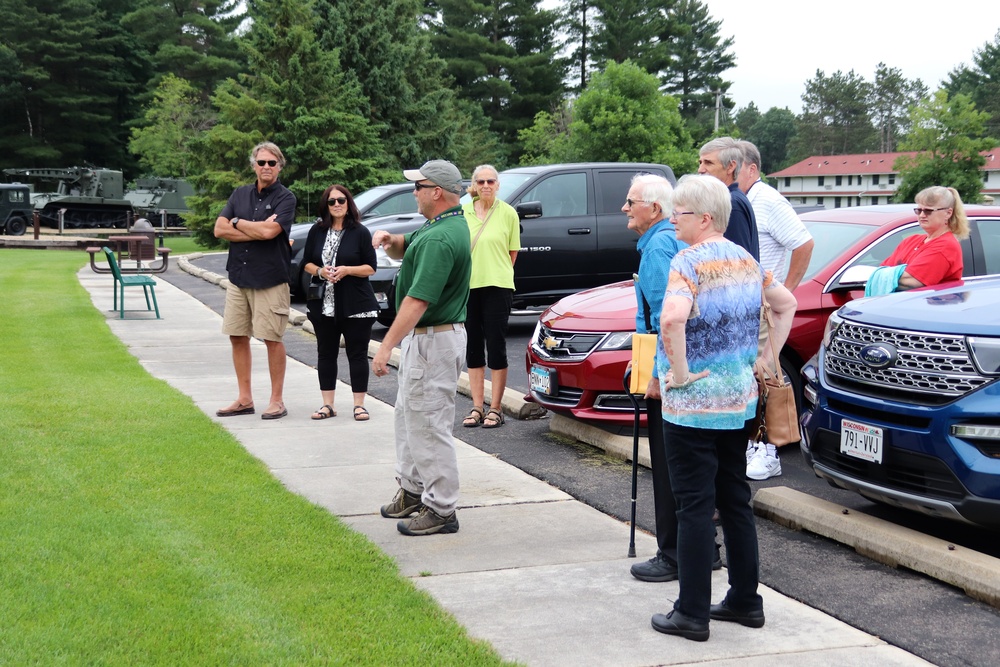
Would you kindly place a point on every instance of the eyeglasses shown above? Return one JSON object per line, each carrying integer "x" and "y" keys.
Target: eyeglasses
{"x": 421, "y": 186}
{"x": 633, "y": 202}
{"x": 677, "y": 214}
{"x": 928, "y": 211}
{"x": 269, "y": 163}
{"x": 486, "y": 181}
{"x": 336, "y": 200}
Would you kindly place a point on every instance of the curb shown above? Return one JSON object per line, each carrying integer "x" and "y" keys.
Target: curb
{"x": 975, "y": 573}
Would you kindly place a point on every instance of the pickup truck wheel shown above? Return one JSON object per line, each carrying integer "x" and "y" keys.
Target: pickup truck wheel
{"x": 16, "y": 226}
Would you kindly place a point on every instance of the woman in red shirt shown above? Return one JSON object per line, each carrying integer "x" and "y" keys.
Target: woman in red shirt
{"x": 935, "y": 256}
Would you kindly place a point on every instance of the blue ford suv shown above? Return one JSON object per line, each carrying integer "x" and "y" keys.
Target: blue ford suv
{"x": 903, "y": 401}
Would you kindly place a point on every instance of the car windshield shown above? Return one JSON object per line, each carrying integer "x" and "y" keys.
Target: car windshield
{"x": 368, "y": 196}
{"x": 508, "y": 184}
{"x": 831, "y": 239}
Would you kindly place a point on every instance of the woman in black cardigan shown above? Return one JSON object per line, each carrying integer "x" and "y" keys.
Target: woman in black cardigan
{"x": 340, "y": 256}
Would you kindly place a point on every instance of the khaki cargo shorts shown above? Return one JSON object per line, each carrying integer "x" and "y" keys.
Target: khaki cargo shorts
{"x": 261, "y": 313}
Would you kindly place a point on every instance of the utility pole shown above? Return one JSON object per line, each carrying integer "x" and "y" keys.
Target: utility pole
{"x": 718, "y": 106}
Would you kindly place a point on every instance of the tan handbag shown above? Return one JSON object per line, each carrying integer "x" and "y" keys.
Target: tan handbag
{"x": 777, "y": 419}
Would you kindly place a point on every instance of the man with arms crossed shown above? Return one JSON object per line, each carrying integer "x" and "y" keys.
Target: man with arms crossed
{"x": 432, "y": 289}
{"x": 256, "y": 221}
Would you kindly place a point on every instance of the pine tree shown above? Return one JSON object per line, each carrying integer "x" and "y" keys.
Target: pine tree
{"x": 835, "y": 118}
{"x": 190, "y": 39}
{"x": 699, "y": 57}
{"x": 298, "y": 97}
{"x": 502, "y": 56}
{"x": 890, "y": 100}
{"x": 73, "y": 87}
{"x": 981, "y": 82}
{"x": 387, "y": 54}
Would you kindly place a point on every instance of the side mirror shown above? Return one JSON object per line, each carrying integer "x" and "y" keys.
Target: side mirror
{"x": 529, "y": 209}
{"x": 855, "y": 277}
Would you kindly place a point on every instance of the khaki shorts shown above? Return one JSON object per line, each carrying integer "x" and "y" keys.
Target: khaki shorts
{"x": 261, "y": 313}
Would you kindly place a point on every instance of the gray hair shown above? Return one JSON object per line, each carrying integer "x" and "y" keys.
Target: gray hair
{"x": 705, "y": 194}
{"x": 728, "y": 150}
{"x": 270, "y": 148}
{"x": 656, "y": 190}
{"x": 750, "y": 153}
{"x": 473, "y": 189}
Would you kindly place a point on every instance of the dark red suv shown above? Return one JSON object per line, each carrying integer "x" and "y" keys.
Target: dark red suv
{"x": 582, "y": 344}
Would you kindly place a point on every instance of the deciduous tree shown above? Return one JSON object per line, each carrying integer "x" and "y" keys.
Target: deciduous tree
{"x": 949, "y": 133}
{"x": 171, "y": 123}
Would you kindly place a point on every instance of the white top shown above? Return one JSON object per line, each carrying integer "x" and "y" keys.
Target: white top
{"x": 778, "y": 228}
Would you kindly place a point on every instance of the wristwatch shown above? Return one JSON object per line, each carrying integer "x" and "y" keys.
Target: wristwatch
{"x": 236, "y": 221}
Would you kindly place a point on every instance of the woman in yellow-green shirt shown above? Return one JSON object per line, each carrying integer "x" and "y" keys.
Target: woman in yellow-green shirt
{"x": 495, "y": 233}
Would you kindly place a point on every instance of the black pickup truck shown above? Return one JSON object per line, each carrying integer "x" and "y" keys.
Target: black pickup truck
{"x": 573, "y": 232}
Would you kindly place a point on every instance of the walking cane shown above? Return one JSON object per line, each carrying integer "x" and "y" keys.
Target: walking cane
{"x": 635, "y": 461}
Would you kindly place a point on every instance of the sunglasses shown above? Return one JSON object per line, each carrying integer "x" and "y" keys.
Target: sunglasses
{"x": 269, "y": 163}
{"x": 633, "y": 202}
{"x": 486, "y": 181}
{"x": 421, "y": 186}
{"x": 928, "y": 211}
{"x": 332, "y": 201}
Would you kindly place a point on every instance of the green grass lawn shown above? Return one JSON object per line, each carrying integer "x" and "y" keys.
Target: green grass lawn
{"x": 135, "y": 531}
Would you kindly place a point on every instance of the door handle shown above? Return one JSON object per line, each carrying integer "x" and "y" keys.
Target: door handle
{"x": 579, "y": 230}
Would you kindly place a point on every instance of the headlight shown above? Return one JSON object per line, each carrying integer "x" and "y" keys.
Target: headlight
{"x": 985, "y": 354}
{"x": 832, "y": 325}
{"x": 617, "y": 340}
{"x": 383, "y": 261}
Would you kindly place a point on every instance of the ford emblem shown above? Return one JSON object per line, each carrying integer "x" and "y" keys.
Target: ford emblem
{"x": 878, "y": 356}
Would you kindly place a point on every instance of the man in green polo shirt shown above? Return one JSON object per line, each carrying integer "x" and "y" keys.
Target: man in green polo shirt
{"x": 432, "y": 289}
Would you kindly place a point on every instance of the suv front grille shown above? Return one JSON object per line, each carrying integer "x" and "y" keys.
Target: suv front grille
{"x": 565, "y": 345}
{"x": 929, "y": 368}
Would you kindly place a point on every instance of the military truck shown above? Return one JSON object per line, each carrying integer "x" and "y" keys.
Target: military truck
{"x": 15, "y": 208}
{"x": 90, "y": 197}
{"x": 153, "y": 196}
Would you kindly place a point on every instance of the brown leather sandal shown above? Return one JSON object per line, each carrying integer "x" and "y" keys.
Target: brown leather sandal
{"x": 474, "y": 419}
{"x": 493, "y": 419}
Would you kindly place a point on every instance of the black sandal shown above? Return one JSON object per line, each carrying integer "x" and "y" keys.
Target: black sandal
{"x": 476, "y": 415}
{"x": 360, "y": 414}
{"x": 325, "y": 412}
{"x": 493, "y": 419}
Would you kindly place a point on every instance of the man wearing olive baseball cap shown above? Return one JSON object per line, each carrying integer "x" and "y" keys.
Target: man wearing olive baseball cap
{"x": 432, "y": 289}
{"x": 441, "y": 173}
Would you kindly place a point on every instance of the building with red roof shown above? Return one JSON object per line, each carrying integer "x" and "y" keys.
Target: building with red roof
{"x": 835, "y": 181}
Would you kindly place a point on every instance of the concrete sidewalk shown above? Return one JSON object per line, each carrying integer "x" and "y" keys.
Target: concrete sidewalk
{"x": 539, "y": 575}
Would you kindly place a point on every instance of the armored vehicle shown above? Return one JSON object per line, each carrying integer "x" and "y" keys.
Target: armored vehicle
{"x": 152, "y": 197}
{"x": 90, "y": 197}
{"x": 15, "y": 208}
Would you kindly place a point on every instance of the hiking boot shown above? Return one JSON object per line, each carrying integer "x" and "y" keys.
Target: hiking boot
{"x": 403, "y": 505}
{"x": 429, "y": 522}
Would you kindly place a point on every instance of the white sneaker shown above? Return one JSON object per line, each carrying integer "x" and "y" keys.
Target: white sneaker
{"x": 751, "y": 450}
{"x": 763, "y": 465}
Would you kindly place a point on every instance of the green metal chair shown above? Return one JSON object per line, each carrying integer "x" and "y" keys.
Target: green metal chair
{"x": 121, "y": 282}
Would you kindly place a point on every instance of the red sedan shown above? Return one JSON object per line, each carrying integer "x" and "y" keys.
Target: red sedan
{"x": 582, "y": 344}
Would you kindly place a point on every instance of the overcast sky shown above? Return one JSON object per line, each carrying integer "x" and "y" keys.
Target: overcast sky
{"x": 780, "y": 44}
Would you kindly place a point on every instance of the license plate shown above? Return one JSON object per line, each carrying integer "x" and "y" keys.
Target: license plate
{"x": 861, "y": 441}
{"x": 543, "y": 380}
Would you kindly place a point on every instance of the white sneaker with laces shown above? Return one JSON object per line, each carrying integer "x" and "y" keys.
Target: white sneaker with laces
{"x": 751, "y": 450}
{"x": 763, "y": 465}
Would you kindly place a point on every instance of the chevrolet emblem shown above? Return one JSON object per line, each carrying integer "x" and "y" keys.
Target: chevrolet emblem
{"x": 550, "y": 343}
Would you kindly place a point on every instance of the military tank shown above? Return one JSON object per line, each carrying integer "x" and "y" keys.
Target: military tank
{"x": 91, "y": 197}
{"x": 155, "y": 197}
